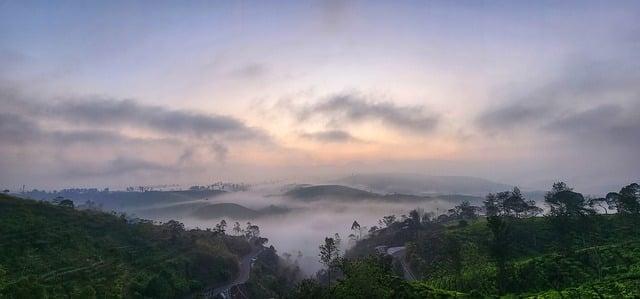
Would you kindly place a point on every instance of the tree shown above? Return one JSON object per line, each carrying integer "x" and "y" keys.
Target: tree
{"x": 510, "y": 204}
{"x": 337, "y": 239}
{"x": 67, "y": 203}
{"x": 237, "y": 230}
{"x": 357, "y": 230}
{"x": 493, "y": 205}
{"x": 627, "y": 201}
{"x": 567, "y": 214}
{"x": 499, "y": 247}
{"x": 464, "y": 211}
{"x": 370, "y": 277}
{"x": 428, "y": 217}
{"x": 516, "y": 205}
{"x": 562, "y": 201}
{"x": 252, "y": 231}
{"x": 329, "y": 254}
{"x": 221, "y": 227}
{"x": 415, "y": 217}
{"x": 373, "y": 229}
{"x": 605, "y": 203}
{"x": 387, "y": 220}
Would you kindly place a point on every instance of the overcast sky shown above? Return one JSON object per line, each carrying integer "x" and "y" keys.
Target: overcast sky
{"x": 150, "y": 92}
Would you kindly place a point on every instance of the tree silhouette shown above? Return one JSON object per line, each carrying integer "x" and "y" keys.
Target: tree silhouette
{"x": 329, "y": 254}
{"x": 237, "y": 230}
{"x": 627, "y": 201}
{"x": 221, "y": 227}
{"x": 511, "y": 204}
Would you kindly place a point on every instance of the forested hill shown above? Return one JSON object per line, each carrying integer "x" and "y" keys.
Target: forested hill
{"x": 56, "y": 251}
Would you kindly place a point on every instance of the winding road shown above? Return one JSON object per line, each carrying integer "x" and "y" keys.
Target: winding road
{"x": 398, "y": 253}
{"x": 243, "y": 276}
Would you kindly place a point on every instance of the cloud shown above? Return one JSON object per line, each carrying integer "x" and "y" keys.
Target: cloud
{"x": 220, "y": 151}
{"x": 351, "y": 108}
{"x": 331, "y": 136}
{"x": 510, "y": 116}
{"x": 113, "y": 113}
{"x": 118, "y": 166}
{"x": 92, "y": 137}
{"x": 250, "y": 71}
{"x": 18, "y": 130}
{"x": 128, "y": 112}
{"x": 336, "y": 15}
{"x": 609, "y": 124}
{"x": 589, "y": 99}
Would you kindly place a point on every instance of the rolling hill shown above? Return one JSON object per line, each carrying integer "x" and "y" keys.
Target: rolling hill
{"x": 423, "y": 184}
{"x": 340, "y": 192}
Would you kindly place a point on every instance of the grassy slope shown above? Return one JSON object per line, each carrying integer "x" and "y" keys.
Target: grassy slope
{"x": 52, "y": 251}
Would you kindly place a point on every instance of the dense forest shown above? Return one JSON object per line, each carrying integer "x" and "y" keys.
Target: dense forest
{"x": 52, "y": 250}
{"x": 577, "y": 247}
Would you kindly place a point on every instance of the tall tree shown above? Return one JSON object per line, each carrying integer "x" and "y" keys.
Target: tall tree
{"x": 464, "y": 211}
{"x": 563, "y": 202}
{"x": 499, "y": 247}
{"x": 627, "y": 201}
{"x": 252, "y": 231}
{"x": 355, "y": 228}
{"x": 237, "y": 230}
{"x": 387, "y": 220}
{"x": 511, "y": 204}
{"x": 567, "y": 215}
{"x": 221, "y": 227}
{"x": 329, "y": 254}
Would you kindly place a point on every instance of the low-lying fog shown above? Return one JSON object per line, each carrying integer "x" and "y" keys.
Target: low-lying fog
{"x": 304, "y": 226}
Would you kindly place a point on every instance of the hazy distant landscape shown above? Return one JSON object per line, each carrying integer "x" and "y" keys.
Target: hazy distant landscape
{"x": 323, "y": 149}
{"x": 293, "y": 216}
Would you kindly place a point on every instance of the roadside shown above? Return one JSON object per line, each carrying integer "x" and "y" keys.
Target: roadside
{"x": 243, "y": 276}
{"x": 398, "y": 254}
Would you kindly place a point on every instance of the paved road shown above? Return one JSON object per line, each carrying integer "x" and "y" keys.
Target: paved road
{"x": 398, "y": 253}
{"x": 243, "y": 275}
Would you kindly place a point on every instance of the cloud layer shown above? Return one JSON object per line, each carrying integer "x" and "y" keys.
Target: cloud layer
{"x": 345, "y": 109}
{"x": 330, "y": 136}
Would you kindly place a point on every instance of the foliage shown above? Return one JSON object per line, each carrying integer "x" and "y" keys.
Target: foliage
{"x": 370, "y": 277}
{"x": 51, "y": 251}
{"x": 572, "y": 252}
{"x": 271, "y": 276}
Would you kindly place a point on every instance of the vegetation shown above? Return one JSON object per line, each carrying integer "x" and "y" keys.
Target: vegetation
{"x": 573, "y": 251}
{"x": 271, "y": 276}
{"x": 581, "y": 247}
{"x": 55, "y": 251}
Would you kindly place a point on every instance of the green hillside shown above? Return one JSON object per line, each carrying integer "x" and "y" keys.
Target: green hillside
{"x": 513, "y": 251}
{"x": 51, "y": 251}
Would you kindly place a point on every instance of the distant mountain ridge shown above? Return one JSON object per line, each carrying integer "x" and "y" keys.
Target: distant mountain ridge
{"x": 333, "y": 192}
{"x": 120, "y": 200}
{"x": 310, "y": 192}
{"x": 236, "y": 211}
{"x": 418, "y": 184}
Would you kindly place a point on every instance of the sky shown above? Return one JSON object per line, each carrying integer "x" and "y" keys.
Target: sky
{"x": 119, "y": 93}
